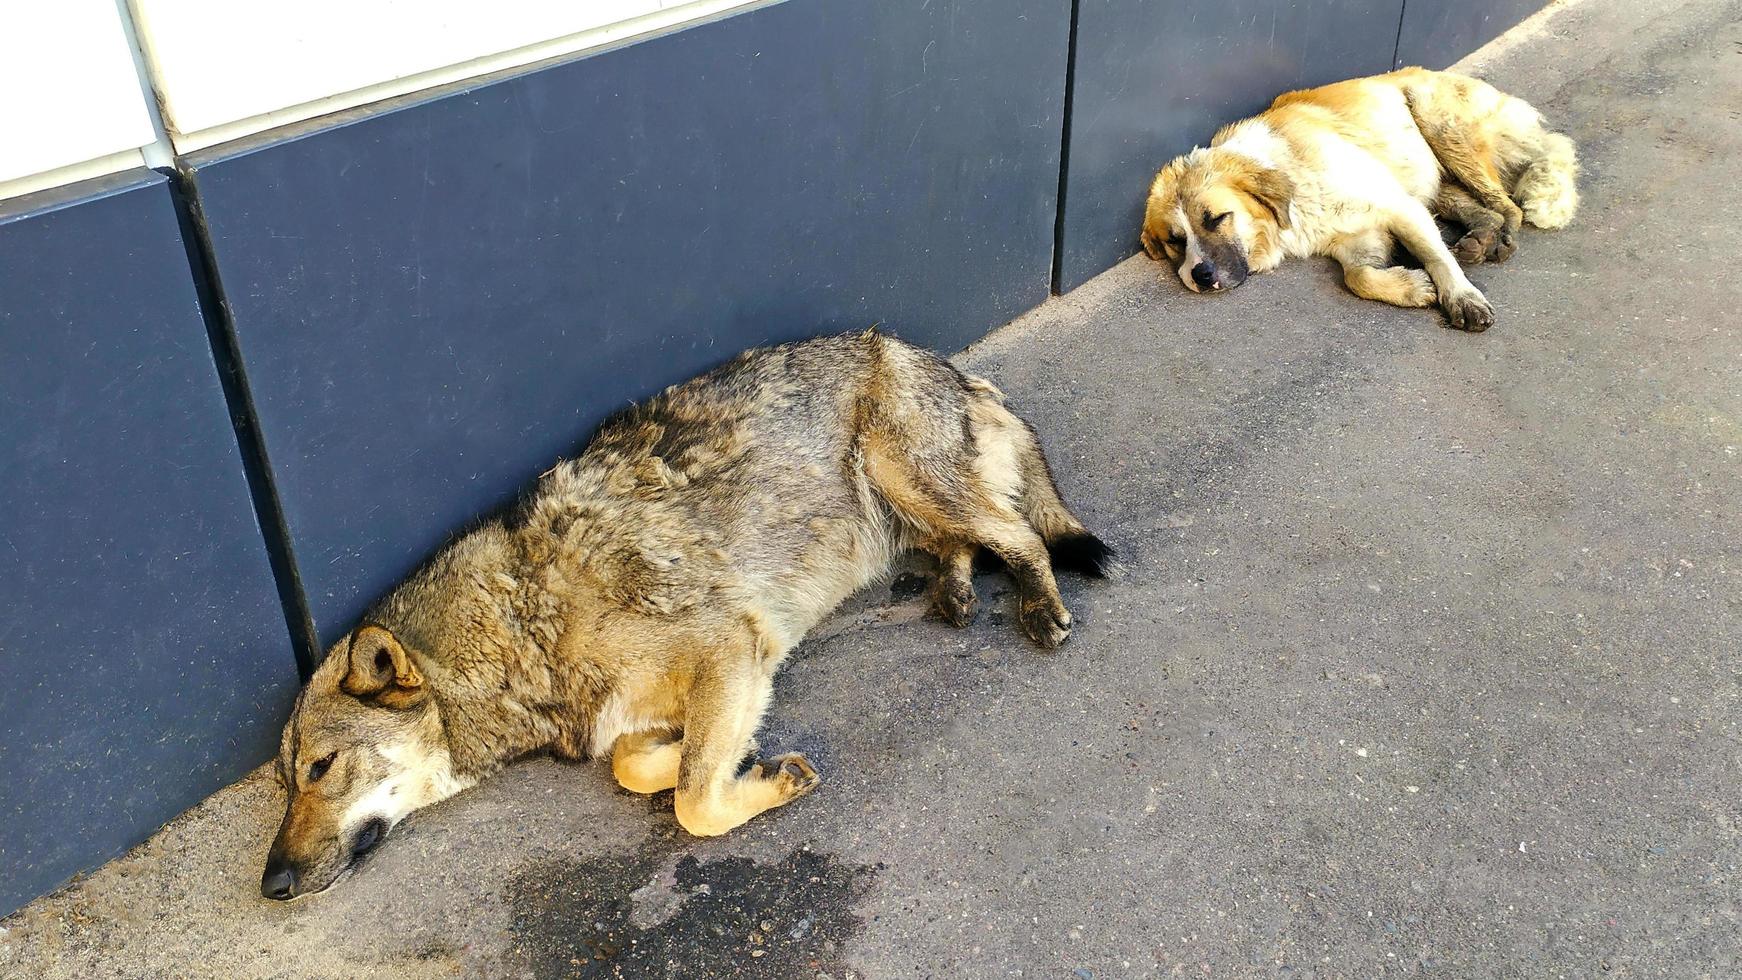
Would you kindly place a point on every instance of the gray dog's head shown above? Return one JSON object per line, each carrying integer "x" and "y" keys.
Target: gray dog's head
{"x": 363, "y": 749}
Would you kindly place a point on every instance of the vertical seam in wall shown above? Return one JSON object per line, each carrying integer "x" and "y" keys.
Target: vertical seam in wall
{"x": 1058, "y": 226}
{"x": 227, "y": 357}
{"x": 161, "y": 152}
{"x": 1397, "y": 44}
{"x": 239, "y": 397}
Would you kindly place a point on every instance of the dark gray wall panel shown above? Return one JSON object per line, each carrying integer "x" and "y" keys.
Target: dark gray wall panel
{"x": 436, "y": 301}
{"x": 1156, "y": 77}
{"x": 1438, "y": 32}
{"x": 143, "y": 655}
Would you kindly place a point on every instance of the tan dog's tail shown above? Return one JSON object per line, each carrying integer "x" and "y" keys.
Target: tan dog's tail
{"x": 1547, "y": 190}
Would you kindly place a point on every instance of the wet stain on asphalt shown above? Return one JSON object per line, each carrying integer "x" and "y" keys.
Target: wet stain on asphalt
{"x": 655, "y": 913}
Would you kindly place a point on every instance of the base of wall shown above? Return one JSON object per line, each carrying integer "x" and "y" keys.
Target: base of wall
{"x": 143, "y": 646}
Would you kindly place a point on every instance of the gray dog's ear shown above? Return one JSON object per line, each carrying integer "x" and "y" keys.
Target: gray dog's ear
{"x": 1271, "y": 188}
{"x": 380, "y": 671}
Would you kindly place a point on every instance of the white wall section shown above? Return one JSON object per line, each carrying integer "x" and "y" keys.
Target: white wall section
{"x": 228, "y": 68}
{"x": 70, "y": 95}
{"x": 77, "y": 100}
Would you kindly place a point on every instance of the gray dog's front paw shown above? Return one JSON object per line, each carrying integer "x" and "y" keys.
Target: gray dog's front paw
{"x": 1045, "y": 621}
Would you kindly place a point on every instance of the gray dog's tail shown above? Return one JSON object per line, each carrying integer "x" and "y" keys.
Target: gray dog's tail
{"x": 1083, "y": 553}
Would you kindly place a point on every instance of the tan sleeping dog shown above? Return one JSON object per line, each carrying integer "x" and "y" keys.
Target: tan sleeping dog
{"x": 1350, "y": 169}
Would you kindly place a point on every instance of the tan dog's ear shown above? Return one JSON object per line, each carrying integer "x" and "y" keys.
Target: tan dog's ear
{"x": 1161, "y": 200}
{"x": 380, "y": 671}
{"x": 1153, "y": 246}
{"x": 1271, "y": 188}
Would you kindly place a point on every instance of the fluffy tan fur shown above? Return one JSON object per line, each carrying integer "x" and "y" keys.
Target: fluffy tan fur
{"x": 640, "y": 601}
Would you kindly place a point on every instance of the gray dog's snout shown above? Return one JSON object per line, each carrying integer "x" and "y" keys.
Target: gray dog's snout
{"x": 279, "y": 882}
{"x": 1204, "y": 275}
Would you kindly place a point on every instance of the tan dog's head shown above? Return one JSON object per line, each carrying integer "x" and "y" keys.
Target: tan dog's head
{"x": 364, "y": 747}
{"x": 1216, "y": 216}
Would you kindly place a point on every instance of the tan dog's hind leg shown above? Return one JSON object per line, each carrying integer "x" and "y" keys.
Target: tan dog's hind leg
{"x": 646, "y": 762}
{"x": 725, "y": 707}
{"x": 1458, "y": 139}
{"x": 1464, "y": 304}
{"x": 1485, "y": 236}
{"x": 1369, "y": 274}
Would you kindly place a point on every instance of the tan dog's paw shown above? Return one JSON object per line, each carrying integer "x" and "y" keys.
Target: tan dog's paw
{"x": 791, "y": 773}
{"x": 1420, "y": 291}
{"x": 1493, "y": 245}
{"x": 1046, "y": 622}
{"x": 1504, "y": 245}
{"x": 1469, "y": 310}
{"x": 1472, "y": 248}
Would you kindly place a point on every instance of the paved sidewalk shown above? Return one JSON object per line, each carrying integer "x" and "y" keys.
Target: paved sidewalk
{"x": 1428, "y": 661}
